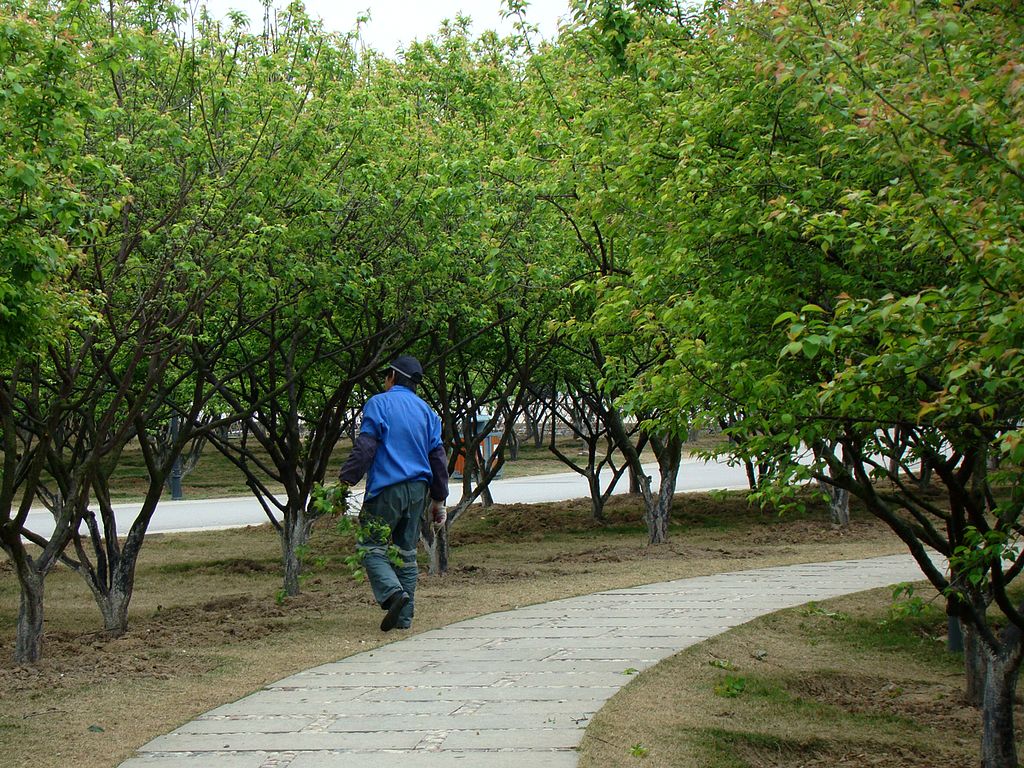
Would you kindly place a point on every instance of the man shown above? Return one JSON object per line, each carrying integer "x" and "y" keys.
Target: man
{"x": 399, "y": 450}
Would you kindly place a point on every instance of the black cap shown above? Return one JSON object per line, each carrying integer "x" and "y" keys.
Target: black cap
{"x": 408, "y": 366}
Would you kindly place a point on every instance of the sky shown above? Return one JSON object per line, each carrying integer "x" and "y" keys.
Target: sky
{"x": 395, "y": 23}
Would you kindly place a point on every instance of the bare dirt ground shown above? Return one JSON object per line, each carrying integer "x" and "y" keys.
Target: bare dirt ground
{"x": 207, "y": 625}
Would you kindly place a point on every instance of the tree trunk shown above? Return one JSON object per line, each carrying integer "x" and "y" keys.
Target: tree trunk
{"x": 113, "y": 582}
{"x": 669, "y": 453}
{"x": 436, "y": 545}
{"x": 111, "y": 575}
{"x": 294, "y": 538}
{"x": 661, "y": 511}
{"x": 28, "y": 646}
{"x": 748, "y": 465}
{"x": 998, "y": 745}
{"x": 111, "y": 579}
{"x": 634, "y": 482}
{"x": 974, "y": 649}
{"x": 925, "y": 480}
{"x": 635, "y": 487}
{"x": 292, "y": 569}
{"x": 838, "y": 504}
{"x": 539, "y": 429}
{"x": 657, "y": 523}
{"x": 435, "y": 540}
{"x": 596, "y": 498}
{"x": 114, "y": 609}
{"x": 899, "y": 448}
{"x": 632, "y": 454}
{"x": 442, "y": 550}
{"x": 31, "y": 573}
{"x": 840, "y": 508}
{"x": 838, "y": 498}
{"x": 533, "y": 432}
{"x": 974, "y": 666}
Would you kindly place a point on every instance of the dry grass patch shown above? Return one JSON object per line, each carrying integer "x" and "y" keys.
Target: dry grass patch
{"x": 840, "y": 683}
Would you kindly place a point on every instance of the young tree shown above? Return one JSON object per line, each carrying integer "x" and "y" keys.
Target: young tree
{"x": 477, "y": 384}
{"x": 941, "y": 367}
{"x": 327, "y": 297}
{"x": 848, "y": 173}
{"x": 47, "y": 217}
{"x": 576, "y": 404}
{"x": 199, "y": 132}
{"x": 578, "y": 136}
{"x": 488, "y": 254}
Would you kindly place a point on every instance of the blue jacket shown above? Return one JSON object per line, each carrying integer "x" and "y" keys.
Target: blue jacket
{"x": 399, "y": 441}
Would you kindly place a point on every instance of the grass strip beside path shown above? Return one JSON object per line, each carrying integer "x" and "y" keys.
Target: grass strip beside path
{"x": 839, "y": 683}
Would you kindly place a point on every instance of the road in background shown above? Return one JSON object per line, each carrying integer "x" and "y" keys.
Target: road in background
{"x": 213, "y": 514}
{"x": 694, "y": 475}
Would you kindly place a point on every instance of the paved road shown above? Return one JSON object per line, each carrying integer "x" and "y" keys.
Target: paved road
{"x": 211, "y": 514}
{"x": 507, "y": 690}
{"x": 694, "y": 475}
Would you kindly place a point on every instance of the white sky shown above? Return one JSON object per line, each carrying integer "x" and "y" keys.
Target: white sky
{"x": 395, "y": 23}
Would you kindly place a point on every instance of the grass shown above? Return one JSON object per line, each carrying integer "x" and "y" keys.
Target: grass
{"x": 206, "y": 627}
{"x": 843, "y": 682}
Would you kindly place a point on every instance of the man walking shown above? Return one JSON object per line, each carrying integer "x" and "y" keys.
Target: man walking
{"x": 399, "y": 450}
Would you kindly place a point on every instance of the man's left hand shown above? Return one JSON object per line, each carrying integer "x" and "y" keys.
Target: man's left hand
{"x": 438, "y": 513}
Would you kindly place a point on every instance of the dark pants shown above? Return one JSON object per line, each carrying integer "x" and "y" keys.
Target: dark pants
{"x": 400, "y": 507}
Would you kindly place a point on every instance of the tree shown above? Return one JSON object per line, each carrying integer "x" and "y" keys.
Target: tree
{"x": 488, "y": 255}
{"x": 199, "y": 133}
{"x": 154, "y": 274}
{"x": 211, "y": 129}
{"x": 326, "y": 297}
{"x": 571, "y": 155}
{"x": 846, "y": 173}
{"x": 932, "y": 377}
{"x": 478, "y": 383}
{"x": 47, "y": 217}
{"x": 706, "y": 141}
{"x": 576, "y": 403}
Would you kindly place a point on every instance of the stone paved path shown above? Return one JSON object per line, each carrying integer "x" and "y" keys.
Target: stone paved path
{"x": 506, "y": 690}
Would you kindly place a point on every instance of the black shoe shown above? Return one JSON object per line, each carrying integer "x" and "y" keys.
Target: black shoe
{"x": 393, "y": 605}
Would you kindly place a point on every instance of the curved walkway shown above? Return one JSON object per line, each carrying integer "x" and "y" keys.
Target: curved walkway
{"x": 506, "y": 690}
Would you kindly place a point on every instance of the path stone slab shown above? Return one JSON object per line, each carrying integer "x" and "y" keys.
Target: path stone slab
{"x": 197, "y": 760}
{"x": 580, "y": 708}
{"x": 452, "y": 722}
{"x": 492, "y": 694}
{"x": 515, "y": 739}
{"x": 246, "y": 725}
{"x": 416, "y": 656}
{"x": 265, "y": 707}
{"x": 440, "y": 759}
{"x": 369, "y": 680}
{"x": 285, "y": 742}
